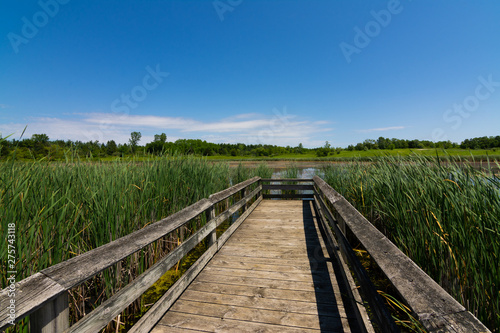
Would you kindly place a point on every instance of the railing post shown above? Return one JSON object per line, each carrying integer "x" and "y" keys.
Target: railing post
{"x": 53, "y": 317}
{"x": 243, "y": 195}
{"x": 210, "y": 213}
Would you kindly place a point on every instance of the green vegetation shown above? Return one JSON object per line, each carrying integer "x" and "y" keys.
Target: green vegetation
{"x": 40, "y": 147}
{"x": 61, "y": 210}
{"x": 444, "y": 216}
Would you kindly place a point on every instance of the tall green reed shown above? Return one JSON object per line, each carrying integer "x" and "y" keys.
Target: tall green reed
{"x": 62, "y": 210}
{"x": 445, "y": 215}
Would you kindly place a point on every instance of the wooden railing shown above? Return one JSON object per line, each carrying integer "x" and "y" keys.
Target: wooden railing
{"x": 291, "y": 188}
{"x": 44, "y": 295}
{"x": 431, "y": 305}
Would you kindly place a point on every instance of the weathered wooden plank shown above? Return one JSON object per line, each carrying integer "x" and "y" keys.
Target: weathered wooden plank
{"x": 294, "y": 187}
{"x": 150, "y": 318}
{"x": 301, "y": 264}
{"x": 258, "y": 302}
{"x": 263, "y": 267}
{"x": 460, "y": 322}
{"x": 288, "y": 196}
{"x": 74, "y": 271}
{"x": 259, "y": 287}
{"x": 263, "y": 292}
{"x": 52, "y": 317}
{"x": 236, "y": 207}
{"x": 268, "y": 254}
{"x": 381, "y": 313}
{"x": 102, "y": 315}
{"x": 422, "y": 294}
{"x": 326, "y": 190}
{"x": 283, "y": 242}
{"x": 229, "y": 232}
{"x": 170, "y": 329}
{"x": 222, "y": 325}
{"x": 283, "y": 276}
{"x": 224, "y": 194}
{"x": 275, "y": 317}
{"x": 30, "y": 294}
{"x": 251, "y": 281}
{"x": 287, "y": 180}
{"x": 351, "y": 292}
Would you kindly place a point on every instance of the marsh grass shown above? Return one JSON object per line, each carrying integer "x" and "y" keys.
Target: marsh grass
{"x": 444, "y": 216}
{"x": 62, "y": 210}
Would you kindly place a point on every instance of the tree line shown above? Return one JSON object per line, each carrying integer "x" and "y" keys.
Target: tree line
{"x": 40, "y": 146}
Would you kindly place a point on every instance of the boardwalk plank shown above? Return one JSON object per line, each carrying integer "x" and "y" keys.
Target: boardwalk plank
{"x": 274, "y": 317}
{"x": 265, "y": 292}
{"x": 259, "y": 302}
{"x": 273, "y": 275}
{"x": 212, "y": 324}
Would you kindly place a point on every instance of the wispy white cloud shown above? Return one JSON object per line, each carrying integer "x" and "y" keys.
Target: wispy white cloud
{"x": 278, "y": 128}
{"x": 4, "y": 106}
{"x": 383, "y": 129}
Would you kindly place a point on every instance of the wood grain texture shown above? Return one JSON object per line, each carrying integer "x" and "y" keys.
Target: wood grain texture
{"x": 287, "y": 187}
{"x": 256, "y": 284}
{"x": 29, "y": 295}
{"x": 102, "y": 315}
{"x": 224, "y": 194}
{"x": 427, "y": 299}
{"x": 73, "y": 272}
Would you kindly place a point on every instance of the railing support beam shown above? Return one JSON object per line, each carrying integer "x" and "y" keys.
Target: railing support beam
{"x": 212, "y": 238}
{"x": 53, "y": 317}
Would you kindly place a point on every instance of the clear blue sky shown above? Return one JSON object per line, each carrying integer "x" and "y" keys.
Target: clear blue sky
{"x": 252, "y": 71}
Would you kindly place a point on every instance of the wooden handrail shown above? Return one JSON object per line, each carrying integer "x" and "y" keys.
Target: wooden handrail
{"x": 46, "y": 291}
{"x": 224, "y": 194}
{"x": 45, "y": 288}
{"x": 286, "y": 180}
{"x": 432, "y": 305}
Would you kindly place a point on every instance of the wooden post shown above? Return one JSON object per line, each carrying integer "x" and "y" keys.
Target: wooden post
{"x": 53, "y": 317}
{"x": 212, "y": 238}
{"x": 243, "y": 195}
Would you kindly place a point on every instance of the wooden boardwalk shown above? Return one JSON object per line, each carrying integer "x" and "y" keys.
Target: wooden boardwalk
{"x": 278, "y": 268}
{"x": 273, "y": 275}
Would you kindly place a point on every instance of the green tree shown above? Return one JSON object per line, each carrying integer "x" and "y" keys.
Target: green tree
{"x": 160, "y": 138}
{"x": 40, "y": 145}
{"x": 40, "y": 138}
{"x": 135, "y": 137}
{"x": 111, "y": 147}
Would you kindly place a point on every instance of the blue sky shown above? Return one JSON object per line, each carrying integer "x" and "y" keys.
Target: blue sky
{"x": 252, "y": 71}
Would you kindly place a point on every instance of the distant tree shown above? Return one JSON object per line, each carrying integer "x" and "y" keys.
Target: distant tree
{"x": 4, "y": 146}
{"x": 40, "y": 145}
{"x": 360, "y": 146}
{"x": 160, "y": 138}
{"x": 40, "y": 138}
{"x": 382, "y": 143}
{"x": 322, "y": 152}
{"x": 135, "y": 137}
{"x": 111, "y": 147}
{"x": 299, "y": 149}
{"x": 123, "y": 149}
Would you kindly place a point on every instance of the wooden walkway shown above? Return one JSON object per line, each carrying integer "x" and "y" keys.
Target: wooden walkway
{"x": 273, "y": 275}
{"x": 277, "y": 268}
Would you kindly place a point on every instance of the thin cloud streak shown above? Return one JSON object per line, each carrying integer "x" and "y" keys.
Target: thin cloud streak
{"x": 245, "y": 128}
{"x": 383, "y": 129}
